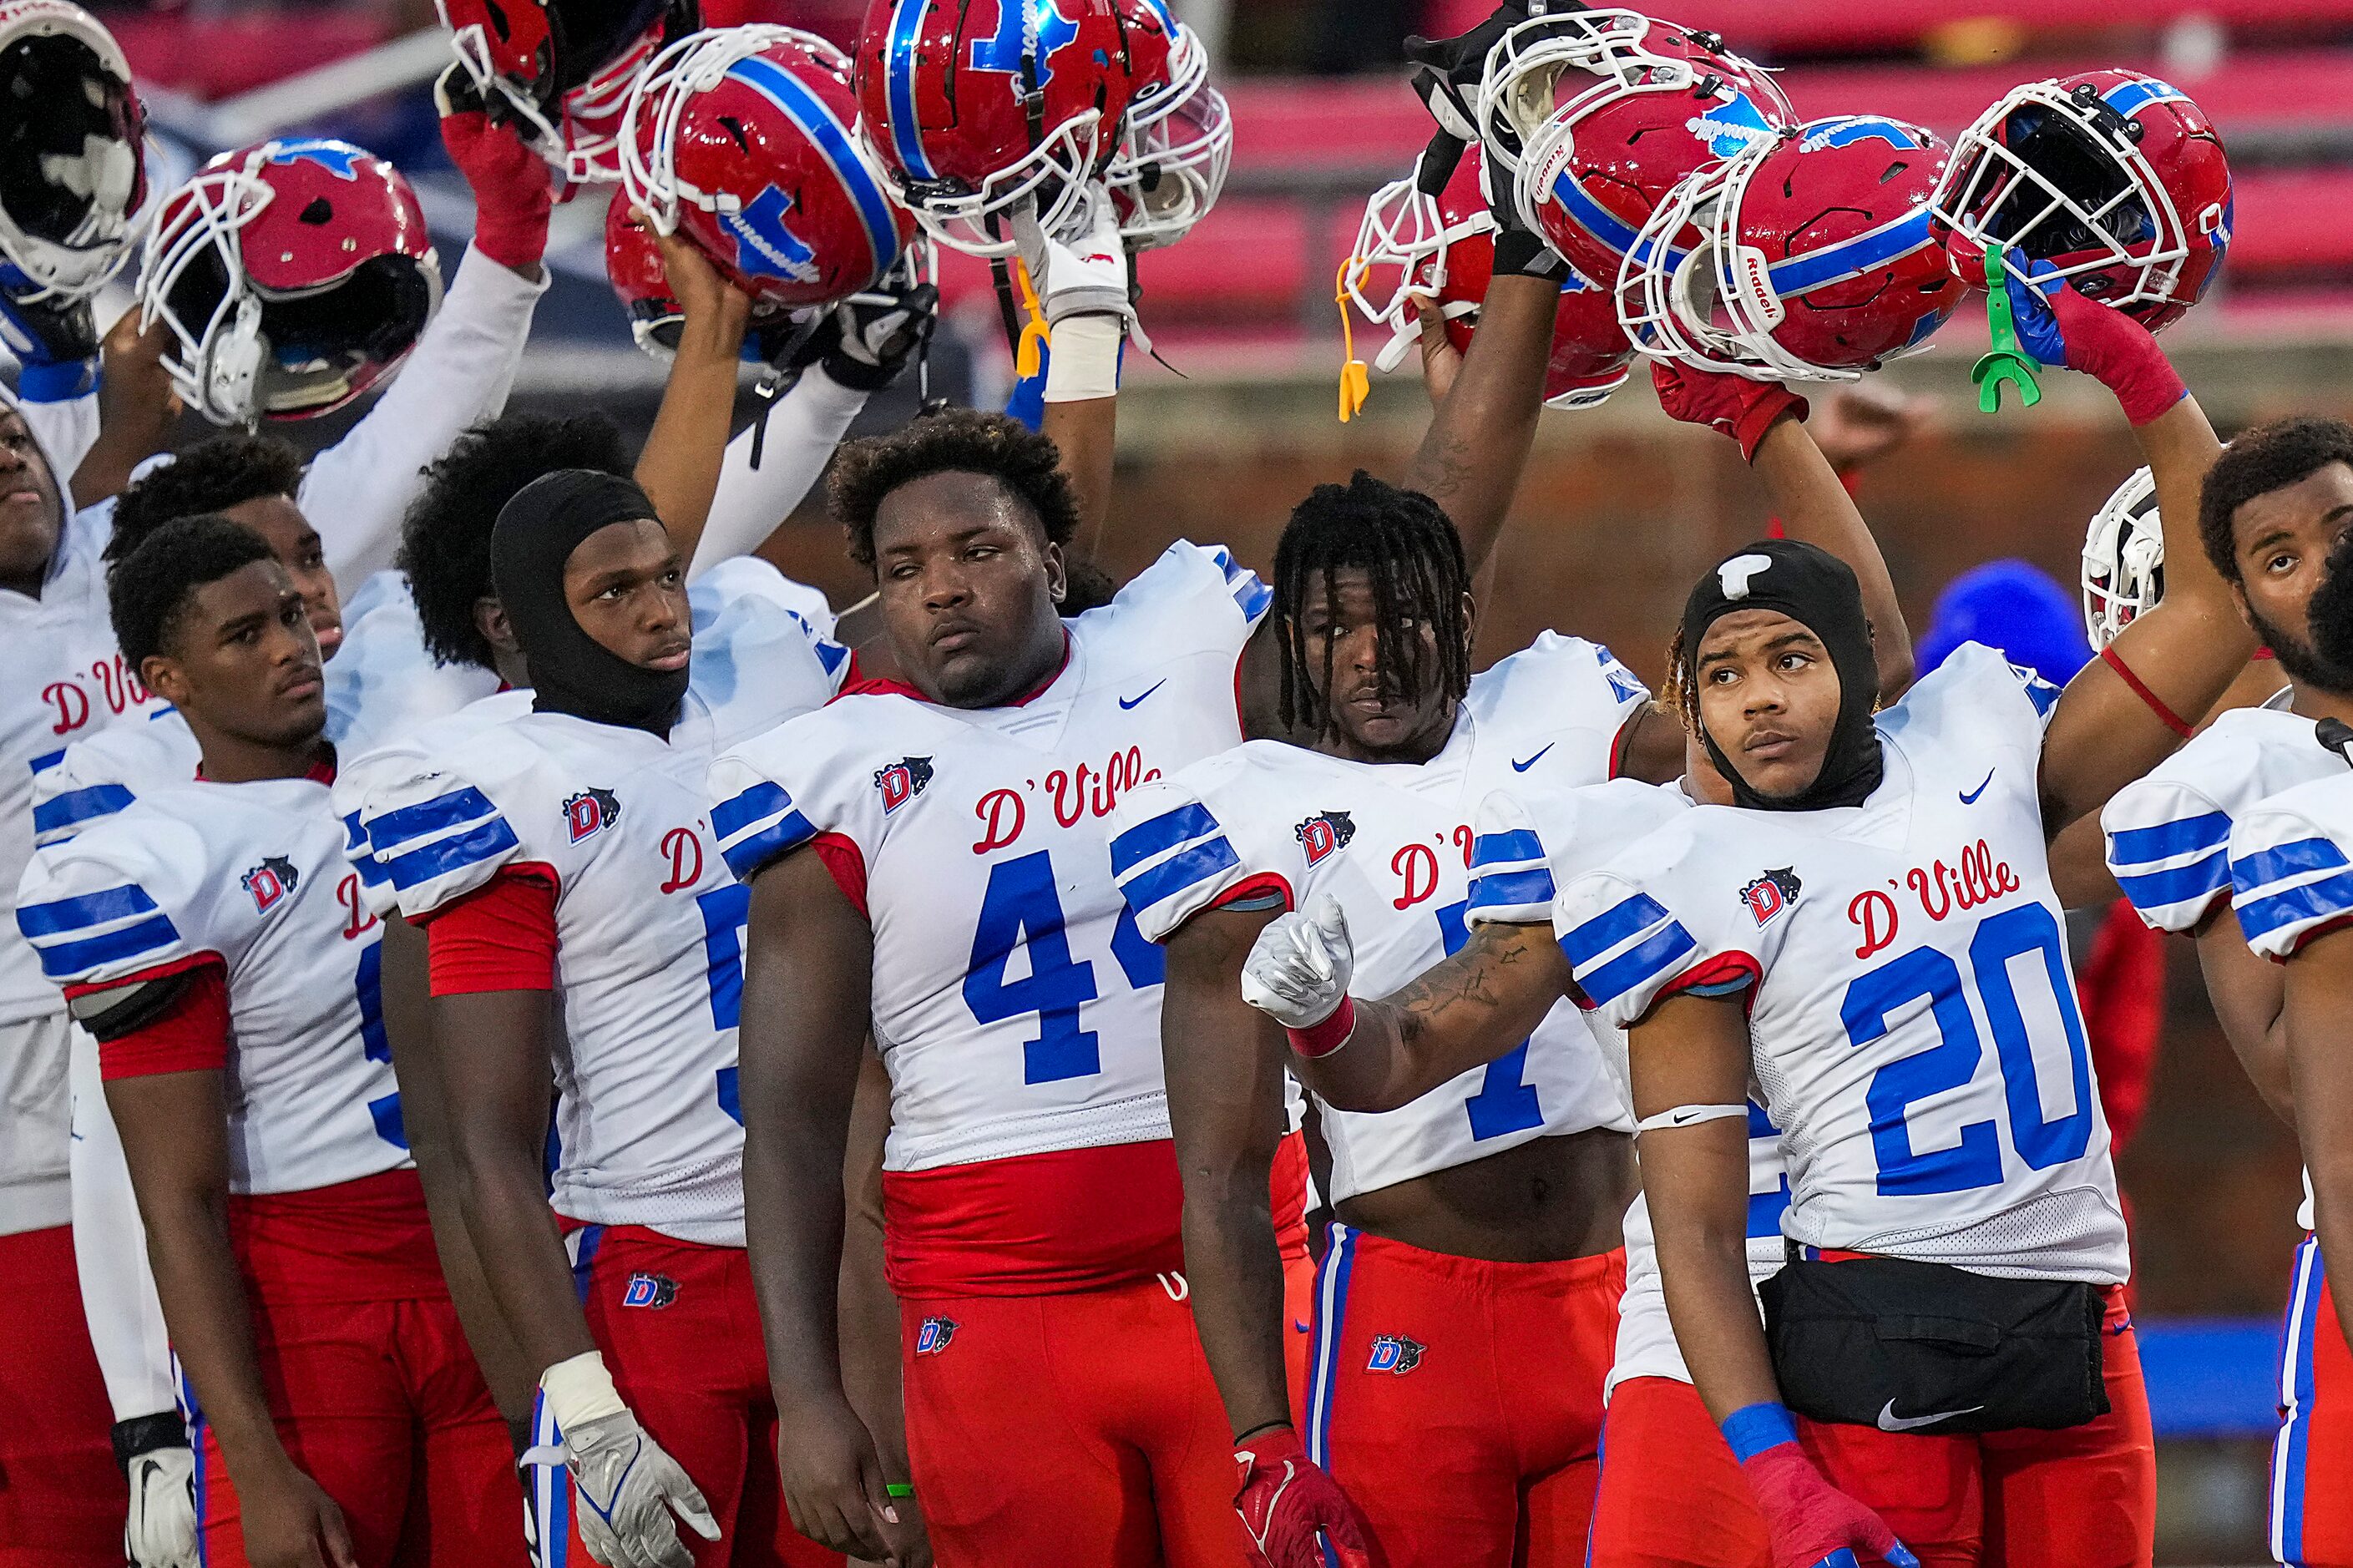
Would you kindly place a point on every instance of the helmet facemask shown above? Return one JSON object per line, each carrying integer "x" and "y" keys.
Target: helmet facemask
{"x": 71, "y": 175}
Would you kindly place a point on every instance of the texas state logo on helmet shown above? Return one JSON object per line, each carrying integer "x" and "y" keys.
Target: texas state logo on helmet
{"x": 1443, "y": 246}
{"x": 563, "y": 67}
{"x": 2116, "y": 180}
{"x": 1600, "y": 113}
{"x": 293, "y": 275}
{"x": 73, "y": 173}
{"x": 1808, "y": 256}
{"x": 980, "y": 107}
{"x": 744, "y": 140}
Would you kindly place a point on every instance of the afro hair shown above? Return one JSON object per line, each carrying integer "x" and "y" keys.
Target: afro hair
{"x": 956, "y": 440}
{"x": 215, "y": 474}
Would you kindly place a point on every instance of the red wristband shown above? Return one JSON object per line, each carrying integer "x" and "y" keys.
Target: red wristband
{"x": 1321, "y": 1039}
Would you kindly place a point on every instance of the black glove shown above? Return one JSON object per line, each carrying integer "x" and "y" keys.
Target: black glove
{"x": 1445, "y": 72}
{"x": 865, "y": 341}
{"x": 55, "y": 341}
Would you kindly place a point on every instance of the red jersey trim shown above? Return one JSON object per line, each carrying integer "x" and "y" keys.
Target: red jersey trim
{"x": 321, "y": 771}
{"x": 500, "y": 937}
{"x": 191, "y": 1035}
{"x": 845, "y": 862}
{"x": 881, "y": 686}
{"x": 1035, "y": 1225}
{"x": 2322, "y": 929}
{"x": 1252, "y": 887}
{"x": 1719, "y": 976}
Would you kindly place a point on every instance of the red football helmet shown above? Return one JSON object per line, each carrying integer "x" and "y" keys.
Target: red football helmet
{"x": 72, "y": 162}
{"x": 563, "y": 67}
{"x": 633, "y": 264}
{"x": 1172, "y": 163}
{"x": 1811, "y": 256}
{"x": 2114, "y": 179}
{"x": 981, "y": 107}
{"x": 1598, "y": 114}
{"x": 293, "y": 277}
{"x": 745, "y": 139}
{"x": 1443, "y": 246}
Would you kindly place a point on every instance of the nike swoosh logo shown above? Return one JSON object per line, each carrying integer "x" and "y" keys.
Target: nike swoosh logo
{"x": 1891, "y": 1422}
{"x": 1971, "y": 797}
{"x": 1132, "y": 701}
{"x": 1521, "y": 767}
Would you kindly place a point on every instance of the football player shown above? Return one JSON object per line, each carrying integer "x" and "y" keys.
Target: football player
{"x": 981, "y": 782}
{"x": 569, "y": 845}
{"x": 2256, "y": 800}
{"x": 1882, "y": 884}
{"x": 1489, "y": 1209}
{"x": 211, "y": 938}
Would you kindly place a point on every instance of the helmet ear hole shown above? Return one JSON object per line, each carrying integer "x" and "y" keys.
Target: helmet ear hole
{"x": 497, "y": 13}
{"x": 320, "y": 211}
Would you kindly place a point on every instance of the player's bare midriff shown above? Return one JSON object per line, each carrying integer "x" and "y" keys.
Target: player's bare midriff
{"x": 1547, "y": 1200}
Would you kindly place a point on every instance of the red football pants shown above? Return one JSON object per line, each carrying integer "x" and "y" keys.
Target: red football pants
{"x": 382, "y": 1405}
{"x": 2312, "y": 1459}
{"x": 2085, "y": 1497}
{"x": 1457, "y": 1402}
{"x": 1671, "y": 1494}
{"x": 680, "y": 1334}
{"x": 61, "y": 1499}
{"x": 1078, "y": 1429}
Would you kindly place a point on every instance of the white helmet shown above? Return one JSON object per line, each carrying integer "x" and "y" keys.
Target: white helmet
{"x": 1172, "y": 159}
{"x": 72, "y": 162}
{"x": 2124, "y": 560}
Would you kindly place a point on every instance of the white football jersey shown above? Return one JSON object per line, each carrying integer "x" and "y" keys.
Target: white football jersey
{"x": 1914, "y": 1026}
{"x": 2168, "y": 834}
{"x": 1015, "y": 1002}
{"x": 648, "y": 921}
{"x": 253, "y": 873}
{"x": 1393, "y": 843}
{"x": 1528, "y": 848}
{"x": 2292, "y": 863}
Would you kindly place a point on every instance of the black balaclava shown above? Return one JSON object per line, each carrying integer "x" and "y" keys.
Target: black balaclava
{"x": 1820, "y": 592}
{"x": 573, "y": 672}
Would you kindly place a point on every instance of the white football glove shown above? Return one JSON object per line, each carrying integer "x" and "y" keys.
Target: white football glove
{"x": 1298, "y": 970}
{"x": 161, "y": 1529}
{"x": 626, "y": 1488}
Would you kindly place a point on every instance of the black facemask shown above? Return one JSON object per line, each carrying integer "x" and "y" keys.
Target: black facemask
{"x": 573, "y": 672}
{"x": 1820, "y": 592}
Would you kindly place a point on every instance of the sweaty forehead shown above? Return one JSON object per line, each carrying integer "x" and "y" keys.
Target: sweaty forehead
{"x": 1745, "y": 629}
{"x": 2308, "y": 503}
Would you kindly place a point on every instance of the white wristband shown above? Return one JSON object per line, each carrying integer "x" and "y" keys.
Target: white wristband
{"x": 1084, "y": 360}
{"x": 1689, "y": 1116}
{"x": 579, "y": 1391}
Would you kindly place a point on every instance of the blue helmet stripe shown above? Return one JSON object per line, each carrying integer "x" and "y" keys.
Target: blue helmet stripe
{"x": 898, "y": 76}
{"x": 2130, "y": 98}
{"x": 832, "y": 138}
{"x": 1852, "y": 257}
{"x": 1598, "y": 220}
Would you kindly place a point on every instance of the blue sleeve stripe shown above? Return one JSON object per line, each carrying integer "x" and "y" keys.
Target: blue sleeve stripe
{"x": 764, "y": 799}
{"x": 438, "y": 815}
{"x": 1189, "y": 821}
{"x": 1178, "y": 872}
{"x": 1253, "y": 596}
{"x": 1520, "y": 844}
{"x": 444, "y": 856}
{"x": 1515, "y": 888}
{"x": 746, "y": 856}
{"x": 1612, "y": 926}
{"x": 2042, "y": 694}
{"x": 81, "y": 912}
{"x": 49, "y": 760}
{"x": 829, "y": 655}
{"x": 65, "y": 959}
{"x": 2264, "y": 866}
{"x": 1646, "y": 960}
{"x": 2320, "y": 900}
{"x": 2142, "y": 845}
{"x": 2160, "y": 889}
{"x": 80, "y": 806}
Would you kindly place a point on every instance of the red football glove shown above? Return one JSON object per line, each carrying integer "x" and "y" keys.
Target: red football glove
{"x": 1733, "y": 405}
{"x": 1285, "y": 1501}
{"x": 2059, "y": 326}
{"x": 1811, "y": 1524}
{"x": 510, "y": 182}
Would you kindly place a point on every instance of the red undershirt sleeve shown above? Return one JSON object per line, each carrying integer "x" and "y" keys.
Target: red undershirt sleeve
{"x": 500, "y": 938}
{"x": 192, "y": 1034}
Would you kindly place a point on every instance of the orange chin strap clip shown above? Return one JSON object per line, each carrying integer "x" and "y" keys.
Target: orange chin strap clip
{"x": 1356, "y": 377}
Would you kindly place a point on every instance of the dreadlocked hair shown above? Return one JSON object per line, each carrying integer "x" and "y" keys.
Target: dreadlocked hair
{"x": 1411, "y": 557}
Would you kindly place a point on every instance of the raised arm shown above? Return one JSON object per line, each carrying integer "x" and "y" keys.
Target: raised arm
{"x": 1471, "y": 459}
{"x": 137, "y": 408}
{"x": 2129, "y": 708}
{"x": 175, "y": 1135}
{"x": 684, "y": 452}
{"x": 807, "y": 977}
{"x": 1469, "y": 1009}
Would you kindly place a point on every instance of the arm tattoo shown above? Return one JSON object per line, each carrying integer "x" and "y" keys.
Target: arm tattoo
{"x": 1467, "y": 979}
